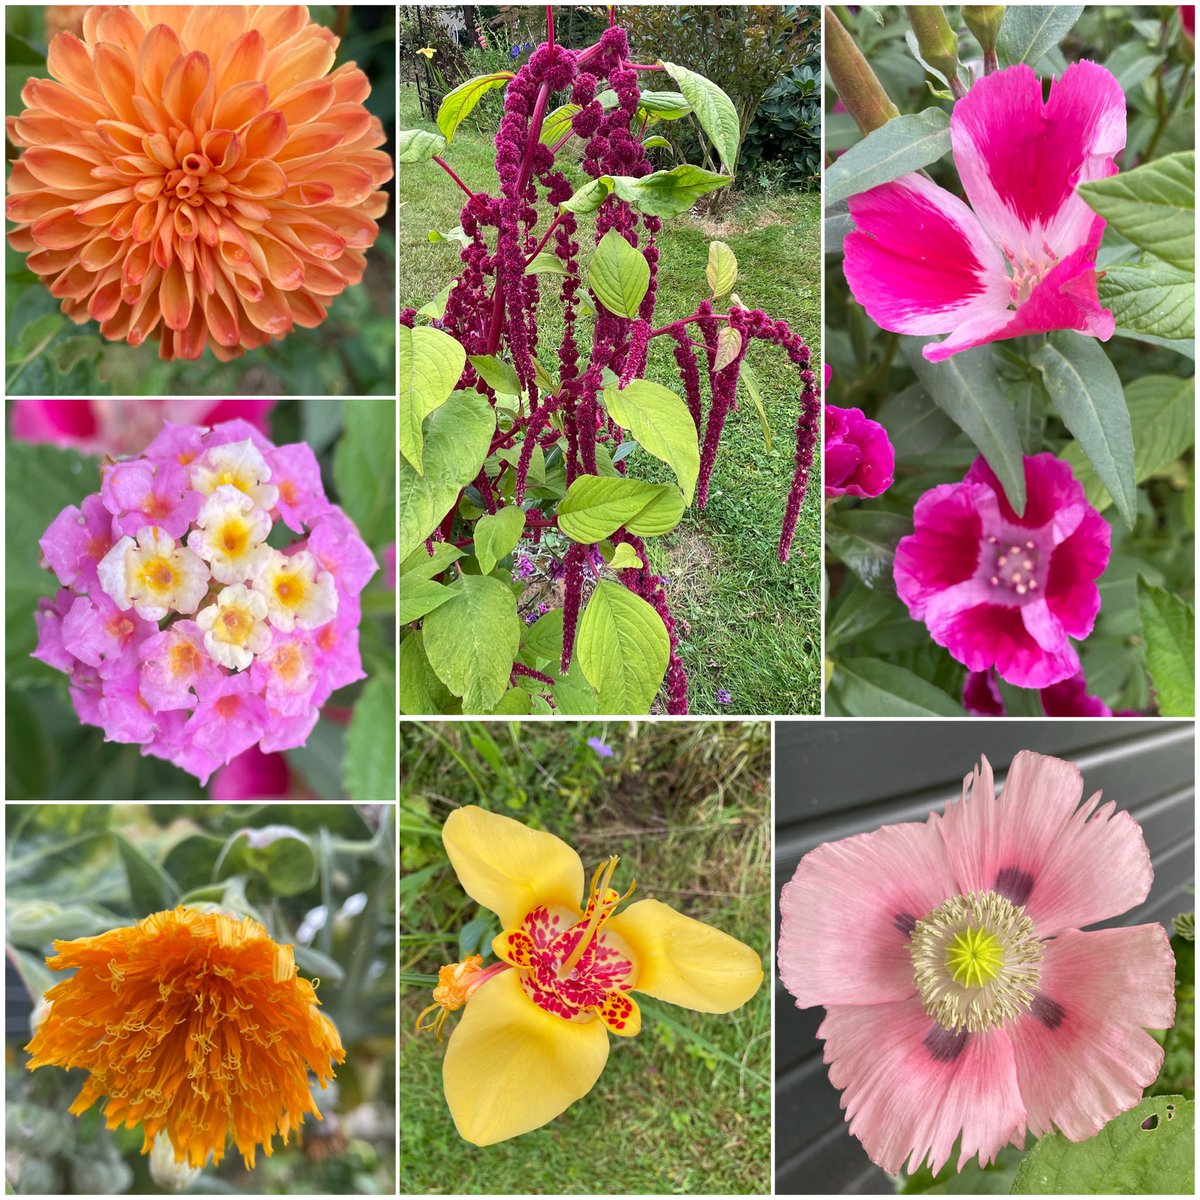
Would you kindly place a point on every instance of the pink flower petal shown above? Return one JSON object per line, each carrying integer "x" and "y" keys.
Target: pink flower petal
{"x": 943, "y": 549}
{"x": 1082, "y": 1054}
{"x": 847, "y": 913}
{"x": 252, "y": 776}
{"x": 1077, "y": 563}
{"x": 1036, "y": 845}
{"x": 911, "y": 1086}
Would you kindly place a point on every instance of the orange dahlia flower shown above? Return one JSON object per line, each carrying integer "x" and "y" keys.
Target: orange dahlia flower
{"x": 196, "y": 174}
{"x": 193, "y": 1024}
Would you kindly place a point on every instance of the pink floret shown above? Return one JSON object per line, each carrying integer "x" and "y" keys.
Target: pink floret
{"x": 76, "y": 541}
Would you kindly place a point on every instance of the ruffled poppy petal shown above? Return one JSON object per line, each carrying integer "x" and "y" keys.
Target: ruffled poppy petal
{"x": 1082, "y": 1054}
{"x": 509, "y": 868}
{"x": 511, "y": 1066}
{"x": 911, "y": 1087}
{"x": 684, "y": 961}
{"x": 877, "y": 885}
{"x": 1069, "y": 864}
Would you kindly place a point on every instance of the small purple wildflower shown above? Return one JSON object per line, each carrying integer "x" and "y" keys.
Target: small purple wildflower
{"x": 723, "y": 697}
{"x": 602, "y": 749}
{"x": 525, "y": 568}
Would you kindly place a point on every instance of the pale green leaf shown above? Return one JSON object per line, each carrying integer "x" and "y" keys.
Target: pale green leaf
{"x": 624, "y": 557}
{"x": 500, "y": 376}
{"x": 595, "y": 508}
{"x": 431, "y": 362}
{"x": 418, "y": 146}
{"x": 370, "y": 761}
{"x": 714, "y": 110}
{"x": 748, "y": 379}
{"x": 722, "y": 269}
{"x": 619, "y": 275}
{"x": 623, "y": 648}
{"x": 457, "y": 104}
{"x": 420, "y": 596}
{"x": 1169, "y": 627}
{"x": 668, "y": 193}
{"x": 364, "y": 467}
{"x": 662, "y": 425}
{"x": 422, "y": 693}
{"x": 497, "y": 535}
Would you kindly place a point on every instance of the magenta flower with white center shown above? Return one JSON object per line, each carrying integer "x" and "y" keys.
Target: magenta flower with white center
{"x": 1022, "y": 258}
{"x": 1000, "y": 590}
{"x": 181, "y": 628}
{"x": 960, "y": 995}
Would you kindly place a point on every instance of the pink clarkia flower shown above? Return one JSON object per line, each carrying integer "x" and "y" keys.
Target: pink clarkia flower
{"x": 1000, "y": 590}
{"x": 859, "y": 459}
{"x": 252, "y": 776}
{"x": 181, "y": 629}
{"x": 1022, "y": 258}
{"x": 124, "y": 426}
{"x": 960, "y": 995}
{"x": 982, "y": 698}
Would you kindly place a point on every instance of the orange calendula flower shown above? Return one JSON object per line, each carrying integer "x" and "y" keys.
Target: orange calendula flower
{"x": 197, "y": 174}
{"x": 533, "y": 1038}
{"x": 192, "y": 1024}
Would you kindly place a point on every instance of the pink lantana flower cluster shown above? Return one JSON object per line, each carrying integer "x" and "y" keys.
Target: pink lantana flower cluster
{"x": 183, "y": 628}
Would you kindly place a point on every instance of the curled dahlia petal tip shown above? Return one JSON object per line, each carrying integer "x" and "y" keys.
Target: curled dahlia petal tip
{"x": 199, "y": 176}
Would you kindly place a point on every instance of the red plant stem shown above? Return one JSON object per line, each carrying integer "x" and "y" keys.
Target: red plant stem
{"x": 550, "y": 24}
{"x": 545, "y": 238}
{"x": 686, "y": 321}
{"x": 453, "y": 176}
{"x": 644, "y": 66}
{"x": 562, "y": 141}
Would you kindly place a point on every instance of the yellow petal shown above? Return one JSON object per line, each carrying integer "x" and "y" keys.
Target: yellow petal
{"x": 511, "y": 1066}
{"x": 686, "y": 962}
{"x": 510, "y": 868}
{"x": 621, "y": 1014}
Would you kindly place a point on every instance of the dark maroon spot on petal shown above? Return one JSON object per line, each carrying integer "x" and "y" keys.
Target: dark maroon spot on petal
{"x": 1049, "y": 1012}
{"x": 945, "y": 1046}
{"x": 905, "y": 922}
{"x": 1013, "y": 884}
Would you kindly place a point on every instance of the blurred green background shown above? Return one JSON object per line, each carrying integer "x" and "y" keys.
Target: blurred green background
{"x": 351, "y": 353}
{"x": 685, "y": 1106}
{"x": 321, "y": 878}
{"x": 348, "y": 755}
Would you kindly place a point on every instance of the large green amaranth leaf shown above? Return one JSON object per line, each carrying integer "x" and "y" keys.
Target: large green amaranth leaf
{"x": 596, "y": 507}
{"x": 430, "y": 365}
{"x": 1154, "y": 206}
{"x": 457, "y": 105}
{"x": 472, "y": 640}
{"x": 622, "y": 649}
{"x": 458, "y": 436}
{"x": 369, "y": 762}
{"x": 1169, "y": 627}
{"x": 364, "y": 468}
{"x": 722, "y": 269}
{"x": 418, "y": 145}
{"x": 904, "y": 144}
{"x": 668, "y": 193}
{"x": 1027, "y": 33}
{"x": 1086, "y": 391}
{"x": 422, "y": 693}
{"x": 714, "y": 110}
{"x": 966, "y": 389}
{"x": 662, "y": 425}
{"x": 619, "y": 275}
{"x": 497, "y": 535}
{"x": 1147, "y": 1150}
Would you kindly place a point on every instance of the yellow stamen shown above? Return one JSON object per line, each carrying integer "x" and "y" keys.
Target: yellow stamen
{"x": 455, "y": 984}
{"x": 602, "y": 909}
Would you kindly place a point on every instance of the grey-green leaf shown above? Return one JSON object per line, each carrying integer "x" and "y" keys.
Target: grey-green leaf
{"x": 869, "y": 687}
{"x": 904, "y": 144}
{"x": 1028, "y": 32}
{"x": 1151, "y": 297}
{"x": 418, "y": 145}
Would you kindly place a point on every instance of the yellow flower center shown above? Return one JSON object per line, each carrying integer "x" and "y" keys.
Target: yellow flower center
{"x": 237, "y": 625}
{"x": 158, "y": 575}
{"x": 974, "y": 957}
{"x": 289, "y": 589}
{"x": 233, "y": 536}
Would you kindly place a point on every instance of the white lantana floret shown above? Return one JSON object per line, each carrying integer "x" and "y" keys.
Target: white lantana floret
{"x": 153, "y": 575}
{"x": 231, "y": 534}
{"x": 239, "y": 465}
{"x": 296, "y": 591}
{"x": 235, "y": 627}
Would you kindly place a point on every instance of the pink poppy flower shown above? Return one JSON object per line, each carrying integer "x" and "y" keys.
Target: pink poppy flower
{"x": 1000, "y": 590}
{"x": 1022, "y": 258}
{"x": 859, "y": 459}
{"x": 960, "y": 995}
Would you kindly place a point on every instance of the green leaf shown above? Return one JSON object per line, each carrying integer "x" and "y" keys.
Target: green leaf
{"x": 668, "y": 193}
{"x": 497, "y": 535}
{"x": 69, "y": 354}
{"x": 422, "y": 693}
{"x": 622, "y": 649}
{"x": 1162, "y": 414}
{"x": 662, "y": 425}
{"x": 39, "y": 333}
{"x": 1169, "y": 627}
{"x": 364, "y": 466}
{"x": 747, "y": 377}
{"x": 589, "y": 197}
{"x": 431, "y": 362}
{"x": 1147, "y": 1150}
{"x": 458, "y": 436}
{"x": 1154, "y": 206}
{"x": 472, "y": 640}
{"x": 457, "y": 105}
{"x": 20, "y": 53}
{"x": 904, "y": 144}
{"x": 619, "y": 275}
{"x": 499, "y": 375}
{"x": 418, "y": 145}
{"x": 420, "y": 565}
{"x": 557, "y": 123}
{"x": 281, "y": 853}
{"x": 973, "y": 1180}
{"x": 573, "y": 695}
{"x": 421, "y": 596}
{"x": 666, "y": 106}
{"x": 1151, "y": 297}
{"x": 656, "y": 143}
{"x": 624, "y": 557}
{"x": 1027, "y": 34}
{"x": 1086, "y": 391}
{"x": 865, "y": 541}
{"x": 516, "y": 702}
{"x": 722, "y": 269}
{"x": 546, "y": 263}
{"x": 729, "y": 345}
{"x": 714, "y": 110}
{"x": 370, "y": 758}
{"x": 151, "y": 889}
{"x": 966, "y": 389}
{"x": 868, "y": 687}
{"x": 594, "y": 508}
{"x": 544, "y": 638}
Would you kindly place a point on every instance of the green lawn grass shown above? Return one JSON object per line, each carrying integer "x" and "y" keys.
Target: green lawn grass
{"x": 748, "y": 624}
{"x": 684, "y": 1107}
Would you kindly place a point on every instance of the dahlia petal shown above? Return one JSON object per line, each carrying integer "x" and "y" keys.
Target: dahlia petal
{"x": 240, "y": 104}
{"x": 59, "y": 231}
{"x": 187, "y": 89}
{"x": 1082, "y": 1054}
{"x": 279, "y": 23}
{"x": 62, "y": 101}
{"x": 68, "y": 61}
{"x": 1022, "y": 185}
{"x": 115, "y": 76}
{"x": 262, "y": 180}
{"x": 308, "y": 61}
{"x": 265, "y": 135}
{"x": 241, "y": 60}
{"x": 324, "y": 280}
{"x": 510, "y": 868}
{"x": 57, "y": 168}
{"x": 351, "y": 83}
{"x": 211, "y": 27}
{"x": 284, "y": 268}
{"x": 311, "y": 140}
{"x": 354, "y": 121}
{"x": 919, "y": 261}
{"x": 175, "y": 297}
{"x": 32, "y": 206}
{"x": 119, "y": 27}
{"x": 306, "y": 101}
{"x": 270, "y": 313}
{"x": 909, "y": 1087}
{"x": 537, "y": 1063}
{"x": 33, "y": 128}
{"x": 876, "y": 884}
{"x": 158, "y": 54}
{"x": 1068, "y": 864}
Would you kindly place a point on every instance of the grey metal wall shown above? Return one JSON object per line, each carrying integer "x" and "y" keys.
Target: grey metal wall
{"x": 837, "y": 778}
